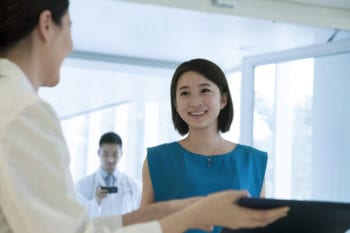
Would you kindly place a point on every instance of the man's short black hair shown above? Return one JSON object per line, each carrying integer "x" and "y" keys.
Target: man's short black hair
{"x": 110, "y": 138}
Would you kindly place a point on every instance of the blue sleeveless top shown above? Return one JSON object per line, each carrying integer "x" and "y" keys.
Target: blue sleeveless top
{"x": 177, "y": 173}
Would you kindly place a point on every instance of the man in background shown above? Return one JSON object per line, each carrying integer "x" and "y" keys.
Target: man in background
{"x": 108, "y": 191}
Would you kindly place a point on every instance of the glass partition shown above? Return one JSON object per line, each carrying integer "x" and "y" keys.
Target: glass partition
{"x": 300, "y": 115}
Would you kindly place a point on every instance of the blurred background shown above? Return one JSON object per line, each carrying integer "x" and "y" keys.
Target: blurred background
{"x": 287, "y": 62}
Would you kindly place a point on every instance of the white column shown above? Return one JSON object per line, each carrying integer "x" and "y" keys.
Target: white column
{"x": 283, "y": 133}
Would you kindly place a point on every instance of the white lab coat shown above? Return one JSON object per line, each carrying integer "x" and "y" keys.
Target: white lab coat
{"x": 125, "y": 200}
{"x": 37, "y": 192}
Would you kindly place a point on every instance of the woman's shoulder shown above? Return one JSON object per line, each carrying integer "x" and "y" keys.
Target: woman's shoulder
{"x": 163, "y": 147}
{"x": 245, "y": 149}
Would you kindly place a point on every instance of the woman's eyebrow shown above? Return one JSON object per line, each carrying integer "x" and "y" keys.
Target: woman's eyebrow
{"x": 205, "y": 84}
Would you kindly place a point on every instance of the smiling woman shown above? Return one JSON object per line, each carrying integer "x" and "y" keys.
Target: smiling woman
{"x": 203, "y": 161}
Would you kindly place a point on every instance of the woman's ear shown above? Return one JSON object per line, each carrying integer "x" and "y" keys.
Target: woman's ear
{"x": 45, "y": 25}
{"x": 223, "y": 101}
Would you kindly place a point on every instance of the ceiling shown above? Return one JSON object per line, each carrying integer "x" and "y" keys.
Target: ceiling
{"x": 342, "y": 4}
{"x": 163, "y": 33}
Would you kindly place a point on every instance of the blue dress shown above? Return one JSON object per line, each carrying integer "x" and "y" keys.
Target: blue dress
{"x": 178, "y": 173}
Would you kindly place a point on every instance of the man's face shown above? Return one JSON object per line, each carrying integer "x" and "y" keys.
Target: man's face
{"x": 109, "y": 155}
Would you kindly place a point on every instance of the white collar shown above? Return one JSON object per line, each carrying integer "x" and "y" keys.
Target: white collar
{"x": 11, "y": 70}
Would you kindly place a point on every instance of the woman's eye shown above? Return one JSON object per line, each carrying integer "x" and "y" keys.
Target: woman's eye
{"x": 205, "y": 91}
{"x": 184, "y": 93}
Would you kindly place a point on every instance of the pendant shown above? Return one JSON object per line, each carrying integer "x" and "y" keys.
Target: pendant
{"x": 209, "y": 161}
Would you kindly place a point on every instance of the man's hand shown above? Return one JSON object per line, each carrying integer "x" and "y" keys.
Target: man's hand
{"x": 100, "y": 194}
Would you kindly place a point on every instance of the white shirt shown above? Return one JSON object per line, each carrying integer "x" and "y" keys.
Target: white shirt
{"x": 125, "y": 200}
{"x": 37, "y": 193}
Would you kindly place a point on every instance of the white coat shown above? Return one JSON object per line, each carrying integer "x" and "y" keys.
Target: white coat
{"x": 125, "y": 200}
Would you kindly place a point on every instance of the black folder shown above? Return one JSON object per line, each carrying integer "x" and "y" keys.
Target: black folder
{"x": 303, "y": 216}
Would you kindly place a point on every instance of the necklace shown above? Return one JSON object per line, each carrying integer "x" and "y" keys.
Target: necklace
{"x": 217, "y": 146}
{"x": 208, "y": 155}
{"x": 214, "y": 152}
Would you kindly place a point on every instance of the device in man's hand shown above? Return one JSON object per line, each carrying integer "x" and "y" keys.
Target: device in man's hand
{"x": 110, "y": 189}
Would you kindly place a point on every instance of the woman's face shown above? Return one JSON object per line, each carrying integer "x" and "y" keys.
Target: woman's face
{"x": 60, "y": 46}
{"x": 198, "y": 100}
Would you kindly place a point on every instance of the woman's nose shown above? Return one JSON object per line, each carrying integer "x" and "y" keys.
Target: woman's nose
{"x": 196, "y": 102}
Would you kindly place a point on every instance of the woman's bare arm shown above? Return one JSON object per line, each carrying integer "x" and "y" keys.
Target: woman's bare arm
{"x": 147, "y": 188}
{"x": 156, "y": 211}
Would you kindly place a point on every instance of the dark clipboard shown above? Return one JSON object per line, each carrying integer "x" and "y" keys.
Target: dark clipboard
{"x": 303, "y": 216}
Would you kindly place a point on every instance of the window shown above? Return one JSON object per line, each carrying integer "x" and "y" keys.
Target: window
{"x": 283, "y": 127}
{"x": 296, "y": 109}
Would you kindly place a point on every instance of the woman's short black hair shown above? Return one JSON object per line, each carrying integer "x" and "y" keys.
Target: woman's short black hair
{"x": 212, "y": 72}
{"x": 18, "y": 18}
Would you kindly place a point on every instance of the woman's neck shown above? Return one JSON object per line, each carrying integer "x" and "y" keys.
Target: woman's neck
{"x": 203, "y": 143}
{"x": 22, "y": 55}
